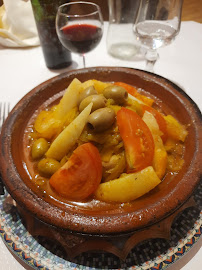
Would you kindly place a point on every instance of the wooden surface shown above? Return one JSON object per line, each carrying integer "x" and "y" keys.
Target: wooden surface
{"x": 192, "y": 9}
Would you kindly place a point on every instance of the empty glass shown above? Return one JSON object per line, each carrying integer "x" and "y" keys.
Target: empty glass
{"x": 157, "y": 24}
{"x": 121, "y": 42}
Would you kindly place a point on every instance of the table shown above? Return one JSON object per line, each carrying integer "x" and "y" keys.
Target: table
{"x": 181, "y": 62}
{"x": 191, "y": 10}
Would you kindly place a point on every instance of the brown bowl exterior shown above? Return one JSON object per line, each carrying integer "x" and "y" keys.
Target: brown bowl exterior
{"x": 155, "y": 206}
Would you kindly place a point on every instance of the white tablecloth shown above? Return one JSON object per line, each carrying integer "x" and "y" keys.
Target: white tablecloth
{"x": 181, "y": 62}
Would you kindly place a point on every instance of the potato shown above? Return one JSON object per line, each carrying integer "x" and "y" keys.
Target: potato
{"x": 175, "y": 130}
{"x": 160, "y": 154}
{"x": 160, "y": 162}
{"x": 68, "y": 137}
{"x": 143, "y": 99}
{"x": 69, "y": 99}
{"x": 50, "y": 123}
{"x": 46, "y": 124}
{"x": 136, "y": 99}
{"x": 146, "y": 100}
{"x": 135, "y": 104}
{"x": 99, "y": 86}
{"x": 128, "y": 187}
{"x": 87, "y": 83}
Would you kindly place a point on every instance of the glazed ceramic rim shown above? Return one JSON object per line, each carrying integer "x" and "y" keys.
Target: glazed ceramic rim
{"x": 107, "y": 224}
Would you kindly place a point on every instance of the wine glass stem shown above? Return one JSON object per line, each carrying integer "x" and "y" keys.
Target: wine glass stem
{"x": 84, "y": 60}
{"x": 151, "y": 57}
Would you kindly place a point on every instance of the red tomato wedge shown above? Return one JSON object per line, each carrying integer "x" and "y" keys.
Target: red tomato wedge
{"x": 159, "y": 119}
{"x": 137, "y": 138}
{"x": 133, "y": 92}
{"x": 81, "y": 175}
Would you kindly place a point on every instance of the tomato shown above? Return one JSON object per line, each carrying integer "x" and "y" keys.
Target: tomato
{"x": 81, "y": 175}
{"x": 133, "y": 92}
{"x": 160, "y": 121}
{"x": 137, "y": 138}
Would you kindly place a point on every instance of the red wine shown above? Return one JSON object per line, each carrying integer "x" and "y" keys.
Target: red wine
{"x": 80, "y": 38}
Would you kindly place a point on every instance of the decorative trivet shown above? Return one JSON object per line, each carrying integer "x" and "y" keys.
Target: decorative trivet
{"x": 119, "y": 246}
{"x": 44, "y": 253}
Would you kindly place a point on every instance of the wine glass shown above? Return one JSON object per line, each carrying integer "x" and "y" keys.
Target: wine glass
{"x": 157, "y": 24}
{"x": 79, "y": 26}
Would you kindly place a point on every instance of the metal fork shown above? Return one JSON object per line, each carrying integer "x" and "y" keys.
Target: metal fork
{"x": 4, "y": 111}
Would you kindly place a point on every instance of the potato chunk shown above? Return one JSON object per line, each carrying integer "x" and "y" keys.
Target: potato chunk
{"x": 175, "y": 130}
{"x": 69, "y": 99}
{"x": 47, "y": 125}
{"x": 50, "y": 123}
{"x": 128, "y": 187}
{"x": 68, "y": 137}
{"x": 160, "y": 154}
{"x": 99, "y": 86}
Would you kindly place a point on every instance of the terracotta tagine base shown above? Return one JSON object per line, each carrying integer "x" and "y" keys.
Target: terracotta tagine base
{"x": 119, "y": 246}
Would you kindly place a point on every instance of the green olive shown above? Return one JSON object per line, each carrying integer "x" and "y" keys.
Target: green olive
{"x": 101, "y": 119}
{"x": 48, "y": 166}
{"x": 98, "y": 102}
{"x": 117, "y": 93}
{"x": 87, "y": 92}
{"x": 39, "y": 148}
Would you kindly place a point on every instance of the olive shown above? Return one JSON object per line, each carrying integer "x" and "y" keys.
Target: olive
{"x": 101, "y": 119}
{"x": 48, "y": 166}
{"x": 39, "y": 148}
{"x": 98, "y": 102}
{"x": 117, "y": 93}
{"x": 87, "y": 92}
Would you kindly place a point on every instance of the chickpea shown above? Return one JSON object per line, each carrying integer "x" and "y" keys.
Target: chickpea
{"x": 39, "y": 148}
{"x": 117, "y": 93}
{"x": 98, "y": 102}
{"x": 48, "y": 166}
{"x": 101, "y": 119}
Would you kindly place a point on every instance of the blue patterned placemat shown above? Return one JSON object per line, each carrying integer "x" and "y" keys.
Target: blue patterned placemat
{"x": 41, "y": 253}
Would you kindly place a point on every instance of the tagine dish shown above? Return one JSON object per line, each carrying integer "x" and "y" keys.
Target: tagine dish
{"x": 102, "y": 150}
{"x": 103, "y": 141}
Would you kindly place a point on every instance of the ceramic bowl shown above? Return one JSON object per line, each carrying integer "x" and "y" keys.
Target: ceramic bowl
{"x": 115, "y": 219}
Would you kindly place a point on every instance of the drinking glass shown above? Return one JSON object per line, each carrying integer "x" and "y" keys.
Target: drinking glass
{"x": 121, "y": 41}
{"x": 157, "y": 24}
{"x": 79, "y": 26}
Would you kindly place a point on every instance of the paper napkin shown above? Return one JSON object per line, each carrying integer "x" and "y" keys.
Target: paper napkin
{"x": 17, "y": 24}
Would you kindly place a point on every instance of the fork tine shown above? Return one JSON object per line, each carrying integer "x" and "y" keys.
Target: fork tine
{"x": 4, "y": 111}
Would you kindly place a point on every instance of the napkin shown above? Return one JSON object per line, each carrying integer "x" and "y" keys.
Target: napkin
{"x": 17, "y": 24}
